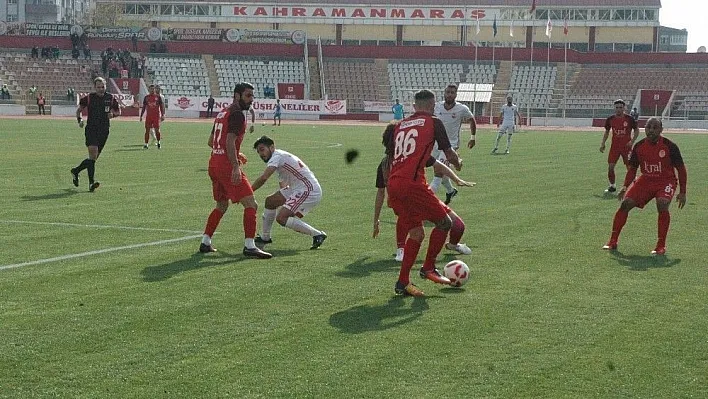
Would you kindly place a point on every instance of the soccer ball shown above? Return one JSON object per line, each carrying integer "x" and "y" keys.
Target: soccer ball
{"x": 458, "y": 273}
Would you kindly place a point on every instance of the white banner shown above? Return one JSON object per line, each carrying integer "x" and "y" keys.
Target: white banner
{"x": 385, "y": 106}
{"x": 263, "y": 106}
{"x": 294, "y": 13}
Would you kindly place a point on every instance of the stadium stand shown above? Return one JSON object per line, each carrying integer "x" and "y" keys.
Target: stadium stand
{"x": 408, "y": 77}
{"x": 259, "y": 72}
{"x": 51, "y": 76}
{"x": 179, "y": 75}
{"x": 532, "y": 86}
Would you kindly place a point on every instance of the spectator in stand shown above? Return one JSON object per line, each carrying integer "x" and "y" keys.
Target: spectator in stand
{"x": 32, "y": 91}
{"x": 40, "y": 104}
{"x": 35, "y": 52}
{"x": 4, "y": 92}
{"x": 87, "y": 52}
{"x": 75, "y": 53}
{"x": 634, "y": 114}
{"x": 134, "y": 39}
{"x": 56, "y": 52}
{"x": 210, "y": 106}
{"x": 70, "y": 94}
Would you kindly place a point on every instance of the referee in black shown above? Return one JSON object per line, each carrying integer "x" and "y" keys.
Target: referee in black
{"x": 102, "y": 107}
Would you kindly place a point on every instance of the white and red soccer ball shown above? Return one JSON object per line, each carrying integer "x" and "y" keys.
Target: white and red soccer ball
{"x": 458, "y": 273}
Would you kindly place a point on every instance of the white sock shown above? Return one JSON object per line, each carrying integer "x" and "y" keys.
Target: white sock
{"x": 496, "y": 143}
{"x": 152, "y": 134}
{"x": 206, "y": 240}
{"x": 268, "y": 219}
{"x": 508, "y": 142}
{"x": 435, "y": 184}
{"x": 447, "y": 184}
{"x": 301, "y": 227}
{"x": 249, "y": 243}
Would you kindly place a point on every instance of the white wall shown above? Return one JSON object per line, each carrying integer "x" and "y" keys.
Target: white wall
{"x": 64, "y": 110}
{"x": 12, "y": 109}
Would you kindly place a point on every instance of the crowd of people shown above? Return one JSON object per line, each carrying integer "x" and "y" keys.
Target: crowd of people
{"x": 117, "y": 63}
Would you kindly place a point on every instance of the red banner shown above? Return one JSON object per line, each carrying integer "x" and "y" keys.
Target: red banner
{"x": 291, "y": 91}
{"x": 654, "y": 101}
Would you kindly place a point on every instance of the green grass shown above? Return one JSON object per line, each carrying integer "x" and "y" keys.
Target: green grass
{"x": 546, "y": 313}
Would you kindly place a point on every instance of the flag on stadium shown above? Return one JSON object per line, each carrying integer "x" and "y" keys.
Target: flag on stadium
{"x": 533, "y": 6}
{"x": 549, "y": 27}
{"x": 565, "y": 27}
{"x": 477, "y": 33}
{"x": 511, "y": 28}
{"x": 494, "y": 26}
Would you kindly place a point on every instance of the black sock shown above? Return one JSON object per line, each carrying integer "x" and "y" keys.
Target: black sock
{"x": 91, "y": 169}
{"x": 83, "y": 165}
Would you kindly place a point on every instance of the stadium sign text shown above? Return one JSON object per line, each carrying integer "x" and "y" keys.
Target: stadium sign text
{"x": 371, "y": 14}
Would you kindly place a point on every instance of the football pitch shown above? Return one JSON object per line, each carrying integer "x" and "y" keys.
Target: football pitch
{"x": 103, "y": 295}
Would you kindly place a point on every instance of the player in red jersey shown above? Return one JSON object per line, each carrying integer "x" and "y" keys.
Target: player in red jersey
{"x": 409, "y": 195}
{"x": 228, "y": 180}
{"x": 155, "y": 108}
{"x": 621, "y": 125}
{"x": 657, "y": 157}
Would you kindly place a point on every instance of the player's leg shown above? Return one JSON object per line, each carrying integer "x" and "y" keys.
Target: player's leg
{"x": 272, "y": 202}
{"x": 437, "y": 178}
{"x": 250, "y": 208}
{"x": 612, "y": 159}
{"x": 663, "y": 201}
{"x": 93, "y": 154}
{"x": 158, "y": 135}
{"x": 450, "y": 191}
{"x": 456, "y": 232}
{"x": 295, "y": 207}
{"x": 222, "y": 205}
{"x": 413, "y": 243}
{"x": 148, "y": 132}
{"x": 433, "y": 210}
{"x": 636, "y": 196}
{"x": 510, "y": 132}
{"x": 499, "y": 136}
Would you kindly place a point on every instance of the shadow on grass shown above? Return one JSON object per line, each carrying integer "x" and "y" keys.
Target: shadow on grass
{"x": 644, "y": 262}
{"x": 607, "y": 196}
{"x": 127, "y": 148}
{"x": 199, "y": 260}
{"x": 363, "y": 268}
{"x": 393, "y": 313}
{"x": 67, "y": 192}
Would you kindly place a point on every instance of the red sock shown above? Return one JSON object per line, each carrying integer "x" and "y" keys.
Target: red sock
{"x": 213, "y": 222}
{"x": 437, "y": 240}
{"x": 457, "y": 230}
{"x": 147, "y": 136}
{"x": 157, "y": 135}
{"x": 611, "y": 176}
{"x": 664, "y": 221}
{"x": 401, "y": 233}
{"x": 618, "y": 224}
{"x": 249, "y": 222}
{"x": 410, "y": 252}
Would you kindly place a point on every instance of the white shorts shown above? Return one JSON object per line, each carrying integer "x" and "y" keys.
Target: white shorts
{"x": 507, "y": 129}
{"x": 300, "y": 201}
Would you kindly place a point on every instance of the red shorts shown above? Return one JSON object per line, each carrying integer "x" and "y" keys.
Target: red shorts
{"x": 644, "y": 190}
{"x": 152, "y": 123}
{"x": 617, "y": 151}
{"x": 224, "y": 190}
{"x": 414, "y": 202}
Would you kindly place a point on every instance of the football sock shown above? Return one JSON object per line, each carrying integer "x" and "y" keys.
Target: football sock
{"x": 664, "y": 221}
{"x": 401, "y": 234}
{"x": 147, "y": 136}
{"x": 437, "y": 240}
{"x": 458, "y": 228}
{"x": 508, "y": 142}
{"x": 249, "y": 222}
{"x": 301, "y": 227}
{"x": 91, "y": 169}
{"x": 435, "y": 184}
{"x": 83, "y": 165}
{"x": 496, "y": 143}
{"x": 212, "y": 223}
{"x": 152, "y": 134}
{"x": 409, "y": 254}
{"x": 268, "y": 219}
{"x": 249, "y": 243}
{"x": 447, "y": 184}
{"x": 618, "y": 224}
{"x": 611, "y": 177}
{"x": 206, "y": 240}
{"x": 157, "y": 135}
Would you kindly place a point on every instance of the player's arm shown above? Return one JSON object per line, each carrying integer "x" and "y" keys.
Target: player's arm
{"x": 608, "y": 126}
{"x": 443, "y": 141}
{"x": 381, "y": 173}
{"x": 253, "y": 120}
{"x": 236, "y": 122}
{"x": 632, "y": 167}
{"x": 260, "y": 181}
{"x": 635, "y": 133}
{"x": 517, "y": 118}
{"x": 162, "y": 110}
{"x": 211, "y": 138}
{"x": 442, "y": 170}
{"x": 473, "y": 132}
{"x": 677, "y": 162}
{"x": 115, "y": 108}
{"x": 142, "y": 111}
{"x": 83, "y": 103}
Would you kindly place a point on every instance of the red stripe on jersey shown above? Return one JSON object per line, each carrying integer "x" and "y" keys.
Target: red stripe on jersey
{"x": 299, "y": 176}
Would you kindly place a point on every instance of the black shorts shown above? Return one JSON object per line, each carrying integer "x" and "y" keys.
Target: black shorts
{"x": 96, "y": 137}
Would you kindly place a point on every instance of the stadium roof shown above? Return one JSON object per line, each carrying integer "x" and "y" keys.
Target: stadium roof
{"x": 480, "y": 3}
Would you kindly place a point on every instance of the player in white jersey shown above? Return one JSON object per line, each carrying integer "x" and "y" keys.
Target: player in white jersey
{"x": 453, "y": 115}
{"x": 507, "y": 119}
{"x": 299, "y": 193}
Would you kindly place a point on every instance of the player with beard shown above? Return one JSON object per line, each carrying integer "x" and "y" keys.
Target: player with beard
{"x": 453, "y": 115}
{"x": 229, "y": 182}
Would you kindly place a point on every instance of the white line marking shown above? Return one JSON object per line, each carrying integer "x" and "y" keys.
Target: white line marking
{"x": 98, "y": 252}
{"x": 98, "y": 226}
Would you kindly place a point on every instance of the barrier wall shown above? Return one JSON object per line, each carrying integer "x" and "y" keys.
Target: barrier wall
{"x": 12, "y": 110}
